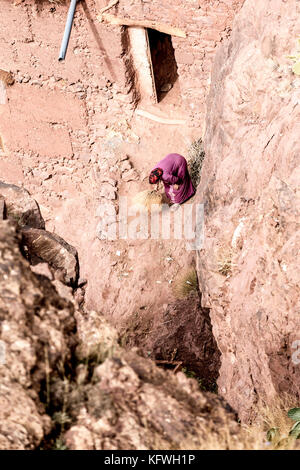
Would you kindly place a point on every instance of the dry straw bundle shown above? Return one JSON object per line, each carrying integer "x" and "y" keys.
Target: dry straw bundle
{"x": 144, "y": 199}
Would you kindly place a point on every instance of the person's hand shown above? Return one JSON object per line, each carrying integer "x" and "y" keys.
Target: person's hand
{"x": 176, "y": 187}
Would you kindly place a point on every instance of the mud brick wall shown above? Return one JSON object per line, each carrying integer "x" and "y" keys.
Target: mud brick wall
{"x": 206, "y": 23}
{"x": 60, "y": 109}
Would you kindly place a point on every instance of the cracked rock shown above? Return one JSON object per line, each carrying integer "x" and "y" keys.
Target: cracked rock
{"x": 107, "y": 191}
{"x": 21, "y": 207}
{"x": 48, "y": 247}
{"x": 130, "y": 175}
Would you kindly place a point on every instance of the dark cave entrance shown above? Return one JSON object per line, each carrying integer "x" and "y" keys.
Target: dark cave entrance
{"x": 163, "y": 62}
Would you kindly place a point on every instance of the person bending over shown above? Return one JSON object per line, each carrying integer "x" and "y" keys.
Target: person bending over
{"x": 173, "y": 172}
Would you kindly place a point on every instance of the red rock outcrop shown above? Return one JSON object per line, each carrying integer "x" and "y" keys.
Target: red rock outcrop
{"x": 248, "y": 267}
{"x": 39, "y": 245}
{"x": 109, "y": 399}
{"x": 37, "y": 331}
{"x": 136, "y": 405}
{"x": 44, "y": 246}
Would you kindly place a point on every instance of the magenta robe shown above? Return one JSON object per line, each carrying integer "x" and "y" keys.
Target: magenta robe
{"x": 175, "y": 171}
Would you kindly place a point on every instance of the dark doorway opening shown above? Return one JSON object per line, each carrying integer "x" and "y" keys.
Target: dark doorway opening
{"x": 163, "y": 62}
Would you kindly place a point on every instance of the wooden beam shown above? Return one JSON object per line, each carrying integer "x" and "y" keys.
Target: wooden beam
{"x": 162, "y": 27}
{"x": 161, "y": 120}
{"x": 111, "y": 4}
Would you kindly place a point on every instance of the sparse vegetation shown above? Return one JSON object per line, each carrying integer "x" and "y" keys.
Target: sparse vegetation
{"x": 224, "y": 262}
{"x": 296, "y": 59}
{"x": 254, "y": 436}
{"x": 203, "y": 384}
{"x": 273, "y": 425}
{"x": 195, "y": 160}
{"x": 186, "y": 283}
{"x": 60, "y": 445}
{"x": 64, "y": 390}
{"x": 282, "y": 436}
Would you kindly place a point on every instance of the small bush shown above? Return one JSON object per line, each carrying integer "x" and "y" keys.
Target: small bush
{"x": 60, "y": 444}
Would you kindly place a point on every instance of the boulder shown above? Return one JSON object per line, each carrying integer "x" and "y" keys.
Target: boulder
{"x": 20, "y": 206}
{"x": 43, "y": 246}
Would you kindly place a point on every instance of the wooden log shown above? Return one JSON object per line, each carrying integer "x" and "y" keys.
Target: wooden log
{"x": 162, "y": 27}
{"x": 177, "y": 367}
{"x": 178, "y": 364}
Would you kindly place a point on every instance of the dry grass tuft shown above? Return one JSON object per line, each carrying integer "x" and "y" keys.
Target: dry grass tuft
{"x": 274, "y": 418}
{"x": 195, "y": 160}
{"x": 144, "y": 200}
{"x": 254, "y": 436}
{"x": 224, "y": 261}
{"x": 186, "y": 283}
{"x": 7, "y": 77}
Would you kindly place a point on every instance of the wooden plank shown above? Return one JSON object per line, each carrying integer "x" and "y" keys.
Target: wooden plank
{"x": 141, "y": 56}
{"x": 162, "y": 27}
{"x": 178, "y": 364}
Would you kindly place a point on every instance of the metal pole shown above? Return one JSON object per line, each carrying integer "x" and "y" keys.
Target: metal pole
{"x": 67, "y": 32}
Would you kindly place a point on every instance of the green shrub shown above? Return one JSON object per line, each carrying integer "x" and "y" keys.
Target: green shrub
{"x": 274, "y": 435}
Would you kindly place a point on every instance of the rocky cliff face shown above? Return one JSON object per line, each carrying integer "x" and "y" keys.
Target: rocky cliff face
{"x": 248, "y": 266}
{"x": 38, "y": 331}
{"x": 63, "y": 375}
